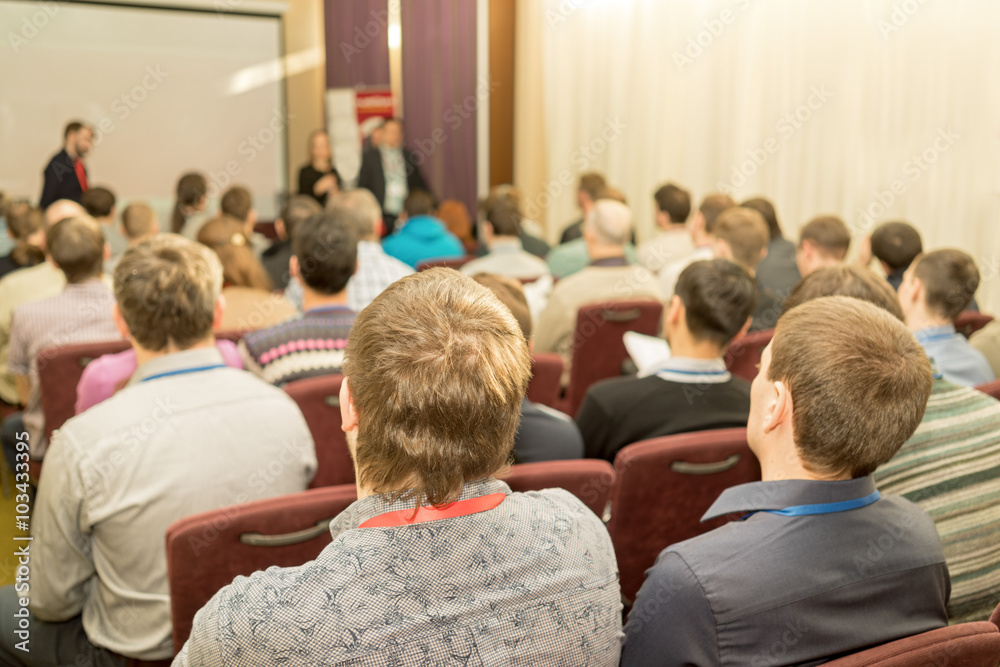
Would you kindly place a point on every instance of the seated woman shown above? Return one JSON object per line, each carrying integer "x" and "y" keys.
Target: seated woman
{"x": 250, "y": 304}
{"x": 24, "y": 225}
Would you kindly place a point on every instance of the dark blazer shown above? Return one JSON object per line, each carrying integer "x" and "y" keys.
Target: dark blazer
{"x": 60, "y": 181}
{"x": 372, "y": 177}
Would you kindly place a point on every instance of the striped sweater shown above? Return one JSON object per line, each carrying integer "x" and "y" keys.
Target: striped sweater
{"x": 305, "y": 347}
{"x": 951, "y": 469}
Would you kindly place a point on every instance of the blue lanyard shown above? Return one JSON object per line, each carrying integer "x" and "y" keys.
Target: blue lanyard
{"x": 935, "y": 337}
{"x": 824, "y": 508}
{"x": 182, "y": 371}
{"x": 682, "y": 372}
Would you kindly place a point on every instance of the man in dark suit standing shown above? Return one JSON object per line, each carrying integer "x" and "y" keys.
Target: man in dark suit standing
{"x": 391, "y": 173}
{"x": 65, "y": 175}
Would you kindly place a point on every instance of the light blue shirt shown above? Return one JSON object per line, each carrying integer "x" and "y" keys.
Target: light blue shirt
{"x": 956, "y": 360}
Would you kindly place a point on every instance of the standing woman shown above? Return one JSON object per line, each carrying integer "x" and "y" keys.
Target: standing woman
{"x": 319, "y": 178}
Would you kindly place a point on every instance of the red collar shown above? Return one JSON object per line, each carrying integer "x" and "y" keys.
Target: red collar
{"x": 422, "y": 514}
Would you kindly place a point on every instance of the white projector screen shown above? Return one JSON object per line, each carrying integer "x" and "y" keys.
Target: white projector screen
{"x": 166, "y": 90}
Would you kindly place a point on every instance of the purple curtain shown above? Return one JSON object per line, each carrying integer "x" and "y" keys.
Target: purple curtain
{"x": 357, "y": 43}
{"x": 439, "y": 94}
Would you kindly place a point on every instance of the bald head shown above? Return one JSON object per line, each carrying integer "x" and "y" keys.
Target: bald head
{"x": 62, "y": 209}
{"x": 608, "y": 223}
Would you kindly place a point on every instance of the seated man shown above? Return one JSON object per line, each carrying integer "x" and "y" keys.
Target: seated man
{"x": 778, "y": 270}
{"x": 692, "y": 391}
{"x": 325, "y": 255}
{"x": 821, "y": 565}
{"x": 572, "y": 256}
{"x": 609, "y": 277}
{"x": 895, "y": 245}
{"x": 702, "y": 230}
{"x": 587, "y": 192}
{"x": 935, "y": 290}
{"x": 437, "y": 562}
{"x": 545, "y": 434}
{"x": 275, "y": 258}
{"x": 187, "y": 435}
{"x": 100, "y": 204}
{"x": 81, "y": 313}
{"x": 823, "y": 241}
{"x": 501, "y": 234}
{"x": 419, "y": 236}
{"x": 939, "y": 467}
{"x": 741, "y": 236}
{"x": 139, "y": 223}
{"x": 672, "y": 240}
{"x": 237, "y": 203}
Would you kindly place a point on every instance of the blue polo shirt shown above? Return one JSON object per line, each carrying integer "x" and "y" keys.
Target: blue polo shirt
{"x": 957, "y": 361}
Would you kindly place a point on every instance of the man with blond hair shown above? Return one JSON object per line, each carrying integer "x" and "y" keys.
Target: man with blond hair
{"x": 741, "y": 236}
{"x": 139, "y": 223}
{"x": 437, "y": 562}
{"x": 186, "y": 435}
{"x": 822, "y": 564}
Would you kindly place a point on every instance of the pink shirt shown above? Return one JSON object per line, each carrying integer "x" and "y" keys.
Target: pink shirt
{"x": 105, "y": 375}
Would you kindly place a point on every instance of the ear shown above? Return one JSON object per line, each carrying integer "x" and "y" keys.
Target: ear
{"x": 918, "y": 291}
{"x": 721, "y": 249}
{"x": 778, "y": 411}
{"x": 763, "y": 252}
{"x": 487, "y": 232}
{"x": 348, "y": 413}
{"x": 119, "y": 320}
{"x": 279, "y": 229}
{"x": 107, "y": 251}
{"x": 675, "y": 310}
{"x": 293, "y": 267}
{"x": 220, "y": 310}
{"x": 746, "y": 327}
{"x": 379, "y": 228}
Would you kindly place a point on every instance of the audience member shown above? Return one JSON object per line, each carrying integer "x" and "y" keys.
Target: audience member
{"x": 588, "y": 191}
{"x": 237, "y": 203}
{"x": 37, "y": 282}
{"x": 823, "y": 241}
{"x": 935, "y": 289}
{"x": 275, "y": 259}
{"x": 25, "y": 226}
{"x": 391, "y": 172}
{"x": 433, "y": 354}
{"x": 987, "y": 342}
{"x": 324, "y": 258}
{"x": 937, "y": 468}
{"x": 6, "y": 242}
{"x": 842, "y": 385}
{"x": 692, "y": 391}
{"x": 319, "y": 179}
{"x": 609, "y": 277}
{"x": 895, "y": 245}
{"x": 420, "y": 236}
{"x": 247, "y": 289}
{"x": 139, "y": 223}
{"x": 741, "y": 236}
{"x": 673, "y": 206}
{"x": 501, "y": 234}
{"x": 778, "y": 271}
{"x": 701, "y": 227}
{"x": 112, "y": 484}
{"x": 65, "y": 175}
{"x": 531, "y": 232}
{"x": 99, "y": 202}
{"x": 81, "y": 313}
{"x": 571, "y": 257}
{"x": 189, "y": 212}
{"x": 455, "y": 216}
{"x": 545, "y": 434}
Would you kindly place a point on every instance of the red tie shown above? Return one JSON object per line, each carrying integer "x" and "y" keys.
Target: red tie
{"x": 81, "y": 174}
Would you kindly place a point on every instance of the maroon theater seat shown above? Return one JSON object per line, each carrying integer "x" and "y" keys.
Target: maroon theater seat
{"x": 590, "y": 480}
{"x": 319, "y": 400}
{"x": 969, "y": 322}
{"x": 991, "y": 388}
{"x": 546, "y": 373}
{"x": 205, "y": 552}
{"x": 964, "y": 645}
{"x": 744, "y": 353}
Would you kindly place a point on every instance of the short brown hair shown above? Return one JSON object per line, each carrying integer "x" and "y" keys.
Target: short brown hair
{"x": 77, "y": 247}
{"x": 298, "y": 208}
{"x": 237, "y": 202}
{"x": 166, "y": 289}
{"x": 326, "y": 245}
{"x": 613, "y": 193}
{"x": 712, "y": 207}
{"x": 897, "y": 244}
{"x": 191, "y": 187}
{"x": 950, "y": 279}
{"x": 592, "y": 183}
{"x": 718, "y": 297}
{"x": 240, "y": 266}
{"x": 829, "y": 233}
{"x": 858, "y": 379}
{"x": 138, "y": 220}
{"x": 360, "y": 206}
{"x": 437, "y": 367}
{"x": 674, "y": 201}
{"x": 504, "y": 217}
{"x": 766, "y": 209}
{"x": 745, "y": 231}
{"x": 23, "y": 221}
{"x": 419, "y": 202}
{"x": 98, "y": 202}
{"x": 844, "y": 280}
{"x": 511, "y": 294}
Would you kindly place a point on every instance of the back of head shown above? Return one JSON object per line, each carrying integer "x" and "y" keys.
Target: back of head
{"x": 62, "y": 209}
{"x": 674, "y": 201}
{"x": 511, "y": 294}
{"x": 77, "y": 247}
{"x": 191, "y": 188}
{"x": 745, "y": 231}
{"x": 98, "y": 202}
{"x": 897, "y": 244}
{"x": 436, "y": 367}
{"x": 240, "y": 266}
{"x": 610, "y": 222}
{"x": 361, "y": 208}
{"x": 24, "y": 221}
{"x": 829, "y": 234}
{"x": 419, "y": 202}
{"x": 455, "y": 216}
{"x": 139, "y": 221}
{"x": 845, "y": 280}
{"x": 613, "y": 193}
{"x": 718, "y": 298}
{"x": 166, "y": 289}
{"x": 506, "y": 194}
{"x": 766, "y": 209}
{"x": 950, "y": 279}
{"x": 326, "y": 245}
{"x": 237, "y": 202}
{"x": 592, "y": 183}
{"x": 712, "y": 207}
{"x": 858, "y": 379}
{"x": 505, "y": 218}
{"x": 297, "y": 209}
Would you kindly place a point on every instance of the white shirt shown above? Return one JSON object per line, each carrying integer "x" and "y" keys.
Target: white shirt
{"x": 376, "y": 271}
{"x": 668, "y": 246}
{"x": 673, "y": 270}
{"x": 508, "y": 258}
